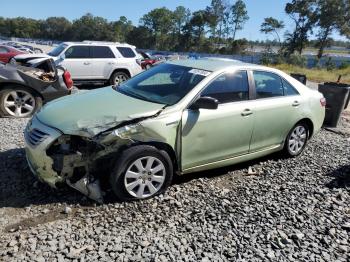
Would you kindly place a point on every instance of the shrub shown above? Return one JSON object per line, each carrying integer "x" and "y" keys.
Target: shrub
{"x": 330, "y": 65}
{"x": 297, "y": 60}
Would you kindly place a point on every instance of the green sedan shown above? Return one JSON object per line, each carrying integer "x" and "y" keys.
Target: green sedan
{"x": 176, "y": 118}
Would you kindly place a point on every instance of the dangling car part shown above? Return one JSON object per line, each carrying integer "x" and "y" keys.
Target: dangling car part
{"x": 25, "y": 87}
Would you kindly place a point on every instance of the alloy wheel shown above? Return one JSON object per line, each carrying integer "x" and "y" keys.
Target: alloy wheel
{"x": 119, "y": 79}
{"x": 297, "y": 140}
{"x": 145, "y": 177}
{"x": 19, "y": 103}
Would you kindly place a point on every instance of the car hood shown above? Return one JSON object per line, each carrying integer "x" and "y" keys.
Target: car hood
{"x": 89, "y": 113}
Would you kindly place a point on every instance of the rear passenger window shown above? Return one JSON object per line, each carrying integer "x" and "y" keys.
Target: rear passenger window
{"x": 289, "y": 90}
{"x": 75, "y": 52}
{"x": 230, "y": 87}
{"x": 126, "y": 52}
{"x": 102, "y": 52}
{"x": 267, "y": 85}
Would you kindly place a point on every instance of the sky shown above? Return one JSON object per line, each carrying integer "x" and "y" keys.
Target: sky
{"x": 135, "y": 9}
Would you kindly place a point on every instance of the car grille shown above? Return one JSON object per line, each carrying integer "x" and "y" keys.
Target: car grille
{"x": 35, "y": 136}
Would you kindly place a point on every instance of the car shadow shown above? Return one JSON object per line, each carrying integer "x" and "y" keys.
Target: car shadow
{"x": 340, "y": 177}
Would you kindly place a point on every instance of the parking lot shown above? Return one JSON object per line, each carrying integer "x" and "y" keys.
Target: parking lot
{"x": 279, "y": 209}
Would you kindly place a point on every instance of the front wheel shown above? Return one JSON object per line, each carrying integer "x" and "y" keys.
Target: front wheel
{"x": 141, "y": 172}
{"x": 296, "y": 140}
{"x": 19, "y": 102}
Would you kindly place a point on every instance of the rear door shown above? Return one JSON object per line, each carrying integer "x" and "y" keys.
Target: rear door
{"x": 78, "y": 61}
{"x": 127, "y": 58}
{"x": 276, "y": 110}
{"x": 103, "y": 62}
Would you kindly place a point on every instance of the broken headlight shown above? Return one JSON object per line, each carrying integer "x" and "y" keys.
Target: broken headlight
{"x": 126, "y": 131}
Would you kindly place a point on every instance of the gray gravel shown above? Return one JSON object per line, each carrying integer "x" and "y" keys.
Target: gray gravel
{"x": 283, "y": 210}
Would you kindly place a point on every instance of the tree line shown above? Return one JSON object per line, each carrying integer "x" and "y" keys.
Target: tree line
{"x": 212, "y": 30}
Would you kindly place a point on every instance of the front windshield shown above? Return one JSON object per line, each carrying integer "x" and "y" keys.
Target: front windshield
{"x": 57, "y": 51}
{"x": 163, "y": 84}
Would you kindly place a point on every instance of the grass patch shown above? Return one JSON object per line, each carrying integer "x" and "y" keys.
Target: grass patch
{"x": 317, "y": 75}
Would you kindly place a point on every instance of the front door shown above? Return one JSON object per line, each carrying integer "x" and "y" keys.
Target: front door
{"x": 213, "y": 135}
{"x": 78, "y": 62}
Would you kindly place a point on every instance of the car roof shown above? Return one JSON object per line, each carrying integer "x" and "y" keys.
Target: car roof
{"x": 209, "y": 64}
{"x": 99, "y": 43}
{"x": 217, "y": 64}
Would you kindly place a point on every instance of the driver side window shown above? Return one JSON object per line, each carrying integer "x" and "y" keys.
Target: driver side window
{"x": 229, "y": 87}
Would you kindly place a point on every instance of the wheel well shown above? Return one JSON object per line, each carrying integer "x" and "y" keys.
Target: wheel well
{"x": 310, "y": 125}
{"x": 124, "y": 70}
{"x": 9, "y": 85}
{"x": 167, "y": 148}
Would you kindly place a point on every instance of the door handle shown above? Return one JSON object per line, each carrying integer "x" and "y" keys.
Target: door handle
{"x": 86, "y": 63}
{"x": 246, "y": 112}
{"x": 296, "y": 103}
{"x": 111, "y": 63}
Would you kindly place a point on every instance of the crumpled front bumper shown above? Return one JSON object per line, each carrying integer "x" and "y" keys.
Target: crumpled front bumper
{"x": 38, "y": 138}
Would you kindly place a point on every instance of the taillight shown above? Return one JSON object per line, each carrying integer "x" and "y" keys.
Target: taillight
{"x": 323, "y": 101}
{"x": 68, "y": 79}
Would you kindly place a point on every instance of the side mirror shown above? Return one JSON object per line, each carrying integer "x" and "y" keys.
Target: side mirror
{"x": 205, "y": 102}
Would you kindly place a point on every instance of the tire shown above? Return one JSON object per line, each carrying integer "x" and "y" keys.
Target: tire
{"x": 118, "y": 77}
{"x": 127, "y": 173}
{"x": 19, "y": 102}
{"x": 148, "y": 66}
{"x": 296, "y": 140}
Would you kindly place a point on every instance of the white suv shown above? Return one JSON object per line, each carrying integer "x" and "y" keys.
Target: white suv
{"x": 96, "y": 62}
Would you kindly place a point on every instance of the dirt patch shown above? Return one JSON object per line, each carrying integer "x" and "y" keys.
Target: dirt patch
{"x": 27, "y": 223}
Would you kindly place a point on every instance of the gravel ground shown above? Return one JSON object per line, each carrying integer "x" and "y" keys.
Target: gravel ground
{"x": 281, "y": 210}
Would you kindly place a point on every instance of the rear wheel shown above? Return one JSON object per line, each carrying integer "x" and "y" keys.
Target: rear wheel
{"x": 141, "y": 172}
{"x": 19, "y": 102}
{"x": 296, "y": 140}
{"x": 118, "y": 77}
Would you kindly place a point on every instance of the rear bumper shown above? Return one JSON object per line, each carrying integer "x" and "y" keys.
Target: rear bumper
{"x": 39, "y": 163}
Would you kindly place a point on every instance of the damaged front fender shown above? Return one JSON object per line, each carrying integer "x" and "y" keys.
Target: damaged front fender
{"x": 82, "y": 161}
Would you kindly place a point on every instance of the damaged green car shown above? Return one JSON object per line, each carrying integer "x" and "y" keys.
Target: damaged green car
{"x": 176, "y": 118}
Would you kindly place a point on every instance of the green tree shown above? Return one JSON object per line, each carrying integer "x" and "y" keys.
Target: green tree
{"x": 239, "y": 15}
{"x": 302, "y": 13}
{"x": 181, "y": 16}
{"x": 344, "y": 23}
{"x": 272, "y": 26}
{"x": 141, "y": 37}
{"x": 215, "y": 18}
{"x": 57, "y": 28}
{"x": 329, "y": 14}
{"x": 90, "y": 27}
{"x": 160, "y": 22}
{"x": 121, "y": 29}
{"x": 197, "y": 26}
